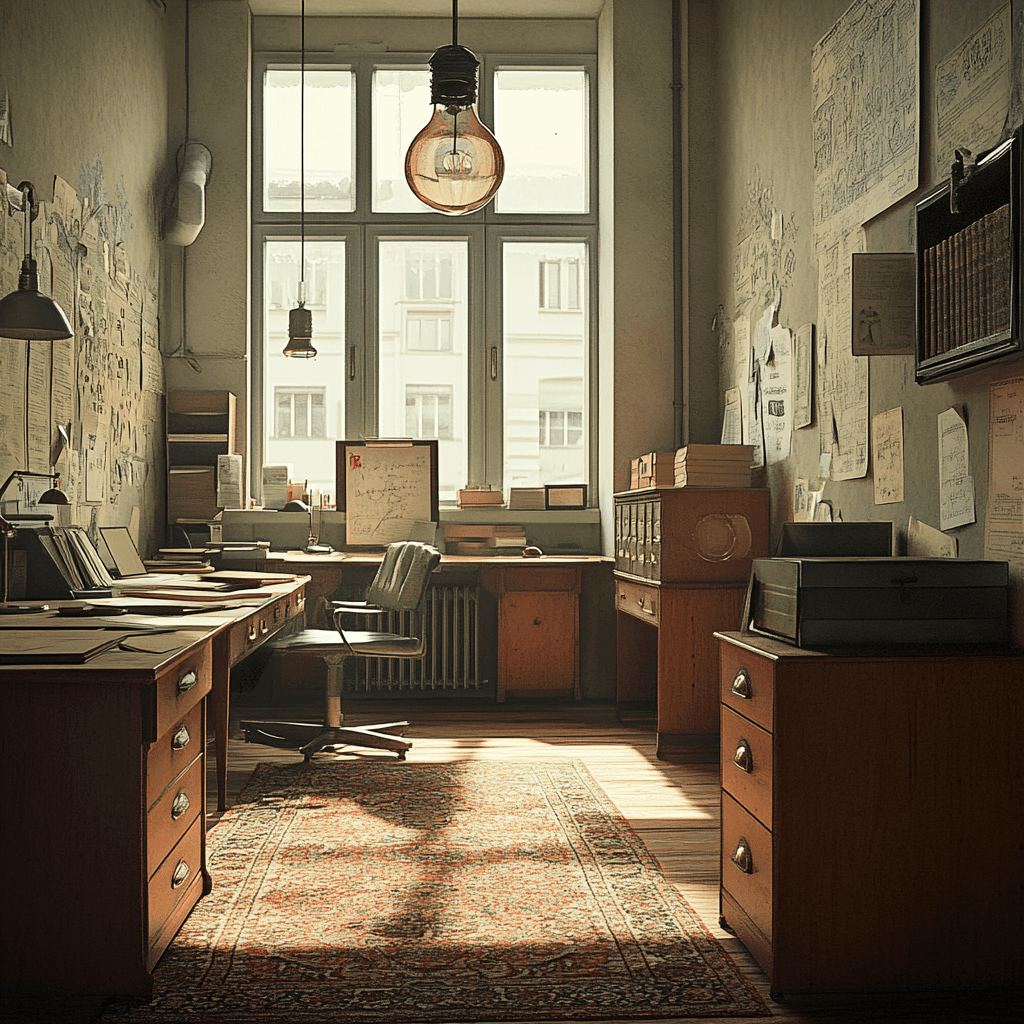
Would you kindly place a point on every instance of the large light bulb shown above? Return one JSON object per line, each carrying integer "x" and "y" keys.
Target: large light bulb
{"x": 454, "y": 164}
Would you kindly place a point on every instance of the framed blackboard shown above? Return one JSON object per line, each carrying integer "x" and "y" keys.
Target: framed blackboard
{"x": 384, "y": 488}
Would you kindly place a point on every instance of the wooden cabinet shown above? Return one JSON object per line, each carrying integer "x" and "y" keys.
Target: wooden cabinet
{"x": 682, "y": 559}
{"x": 538, "y": 630}
{"x": 103, "y": 790}
{"x": 200, "y": 426}
{"x": 871, "y": 816}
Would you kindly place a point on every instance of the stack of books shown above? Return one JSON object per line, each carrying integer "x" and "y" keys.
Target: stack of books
{"x": 714, "y": 465}
{"x": 479, "y": 496}
{"x": 656, "y": 469}
{"x": 526, "y": 498}
{"x": 483, "y": 539}
{"x": 507, "y": 540}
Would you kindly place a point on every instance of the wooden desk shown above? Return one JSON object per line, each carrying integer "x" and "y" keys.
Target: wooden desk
{"x": 538, "y": 618}
{"x": 871, "y": 815}
{"x": 103, "y": 791}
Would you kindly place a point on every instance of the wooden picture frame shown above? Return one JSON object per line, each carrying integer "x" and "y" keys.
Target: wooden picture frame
{"x": 385, "y": 486}
{"x": 565, "y": 496}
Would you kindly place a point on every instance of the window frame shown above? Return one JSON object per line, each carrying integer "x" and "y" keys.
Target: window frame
{"x": 362, "y": 230}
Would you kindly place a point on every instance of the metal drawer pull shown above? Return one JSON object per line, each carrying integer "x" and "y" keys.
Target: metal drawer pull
{"x": 253, "y": 632}
{"x": 741, "y": 858}
{"x": 180, "y": 805}
{"x": 642, "y": 602}
{"x": 742, "y": 758}
{"x": 263, "y": 626}
{"x": 180, "y": 739}
{"x": 187, "y": 681}
{"x": 181, "y": 872}
{"x": 741, "y": 685}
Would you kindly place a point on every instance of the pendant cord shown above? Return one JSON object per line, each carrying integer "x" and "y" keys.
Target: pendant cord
{"x": 302, "y": 164}
{"x": 455, "y": 42}
{"x": 455, "y": 22}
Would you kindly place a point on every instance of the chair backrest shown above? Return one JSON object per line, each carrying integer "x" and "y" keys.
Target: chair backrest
{"x": 402, "y": 578}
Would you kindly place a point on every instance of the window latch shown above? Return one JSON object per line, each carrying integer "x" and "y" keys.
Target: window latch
{"x": 494, "y": 362}
{"x": 351, "y": 362}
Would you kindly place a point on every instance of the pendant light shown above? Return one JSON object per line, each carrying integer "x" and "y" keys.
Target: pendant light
{"x": 26, "y": 313}
{"x": 300, "y": 319}
{"x": 454, "y": 164}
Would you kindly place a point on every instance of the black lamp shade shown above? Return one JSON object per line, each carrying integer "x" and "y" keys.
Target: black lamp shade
{"x": 29, "y": 315}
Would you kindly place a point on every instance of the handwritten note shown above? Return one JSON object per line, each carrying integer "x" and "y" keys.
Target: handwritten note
{"x": 387, "y": 489}
{"x": 887, "y": 456}
{"x": 1004, "y": 515}
{"x": 956, "y": 485}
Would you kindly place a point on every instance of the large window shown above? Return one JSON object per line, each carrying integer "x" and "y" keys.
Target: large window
{"x": 472, "y": 330}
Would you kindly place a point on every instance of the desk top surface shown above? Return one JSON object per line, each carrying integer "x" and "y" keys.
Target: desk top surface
{"x": 189, "y": 630}
{"x": 296, "y": 559}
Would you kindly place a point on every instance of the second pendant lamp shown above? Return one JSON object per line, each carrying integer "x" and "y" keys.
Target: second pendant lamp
{"x": 454, "y": 164}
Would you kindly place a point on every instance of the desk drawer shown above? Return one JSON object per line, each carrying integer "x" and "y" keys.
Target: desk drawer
{"x": 639, "y": 600}
{"x": 170, "y": 755}
{"x": 177, "y": 878}
{"x": 748, "y": 684}
{"x": 747, "y": 765}
{"x": 747, "y": 864}
{"x": 181, "y": 688}
{"x": 540, "y": 578}
{"x": 173, "y": 813}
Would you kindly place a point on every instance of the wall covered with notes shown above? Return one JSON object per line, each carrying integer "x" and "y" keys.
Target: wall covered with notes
{"x": 83, "y": 116}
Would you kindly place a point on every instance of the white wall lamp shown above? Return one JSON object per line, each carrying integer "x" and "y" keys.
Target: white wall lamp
{"x": 26, "y": 313}
{"x": 454, "y": 164}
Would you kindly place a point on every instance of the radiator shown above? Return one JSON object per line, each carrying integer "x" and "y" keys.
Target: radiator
{"x": 451, "y": 624}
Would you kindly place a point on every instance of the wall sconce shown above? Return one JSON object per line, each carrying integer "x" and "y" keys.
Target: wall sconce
{"x": 26, "y": 313}
{"x": 300, "y": 319}
{"x": 52, "y": 496}
{"x": 454, "y": 164}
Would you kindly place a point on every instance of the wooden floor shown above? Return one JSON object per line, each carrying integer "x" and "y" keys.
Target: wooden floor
{"x": 673, "y": 806}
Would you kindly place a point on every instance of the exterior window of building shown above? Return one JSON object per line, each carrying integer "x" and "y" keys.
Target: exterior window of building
{"x": 428, "y": 411}
{"x": 425, "y": 325}
{"x": 300, "y": 413}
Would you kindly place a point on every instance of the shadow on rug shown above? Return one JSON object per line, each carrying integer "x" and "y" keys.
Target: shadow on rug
{"x": 465, "y": 891}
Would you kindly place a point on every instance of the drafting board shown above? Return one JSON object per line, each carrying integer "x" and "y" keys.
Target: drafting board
{"x": 385, "y": 487}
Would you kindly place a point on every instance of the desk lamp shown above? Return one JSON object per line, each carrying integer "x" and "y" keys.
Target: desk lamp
{"x": 53, "y": 496}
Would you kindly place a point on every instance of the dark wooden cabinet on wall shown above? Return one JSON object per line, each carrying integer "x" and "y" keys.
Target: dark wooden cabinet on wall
{"x": 682, "y": 563}
{"x": 871, "y": 815}
{"x": 969, "y": 267}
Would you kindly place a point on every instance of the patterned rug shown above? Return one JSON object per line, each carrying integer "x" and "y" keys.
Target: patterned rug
{"x": 464, "y": 891}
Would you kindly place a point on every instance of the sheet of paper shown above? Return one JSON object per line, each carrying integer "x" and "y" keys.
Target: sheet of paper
{"x": 13, "y": 364}
{"x": 924, "y": 541}
{"x": 38, "y": 406}
{"x": 803, "y": 376}
{"x": 972, "y": 91}
{"x": 884, "y": 303}
{"x": 753, "y": 430}
{"x": 956, "y": 485}
{"x": 777, "y": 396}
{"x": 229, "y": 481}
{"x": 732, "y": 420}
{"x": 95, "y": 472}
{"x": 1004, "y": 511}
{"x": 887, "y": 456}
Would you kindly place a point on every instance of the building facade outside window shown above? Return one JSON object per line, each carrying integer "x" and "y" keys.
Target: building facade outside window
{"x": 425, "y": 325}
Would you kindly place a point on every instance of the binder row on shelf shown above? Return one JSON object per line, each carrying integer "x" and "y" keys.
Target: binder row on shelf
{"x": 967, "y": 284}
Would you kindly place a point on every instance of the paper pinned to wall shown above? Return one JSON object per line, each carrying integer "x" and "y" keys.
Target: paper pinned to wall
{"x": 803, "y": 375}
{"x": 887, "y": 456}
{"x": 1004, "y": 512}
{"x": 732, "y": 420}
{"x": 777, "y": 396}
{"x": 956, "y": 485}
{"x": 924, "y": 541}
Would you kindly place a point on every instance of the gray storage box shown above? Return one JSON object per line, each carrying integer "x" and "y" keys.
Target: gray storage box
{"x": 829, "y": 602}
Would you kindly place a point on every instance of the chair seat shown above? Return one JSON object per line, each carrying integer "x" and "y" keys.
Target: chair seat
{"x": 329, "y": 641}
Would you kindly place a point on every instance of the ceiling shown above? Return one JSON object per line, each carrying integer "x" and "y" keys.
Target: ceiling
{"x": 431, "y": 8}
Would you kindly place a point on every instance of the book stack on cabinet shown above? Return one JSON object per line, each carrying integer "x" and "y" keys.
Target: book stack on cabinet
{"x": 657, "y": 469}
{"x": 714, "y": 465}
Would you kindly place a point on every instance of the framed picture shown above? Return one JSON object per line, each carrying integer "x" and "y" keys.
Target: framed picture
{"x": 565, "y": 496}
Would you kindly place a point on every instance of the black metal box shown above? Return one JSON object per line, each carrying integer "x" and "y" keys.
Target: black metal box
{"x": 829, "y": 602}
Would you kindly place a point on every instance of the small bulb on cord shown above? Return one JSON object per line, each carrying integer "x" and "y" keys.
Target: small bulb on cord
{"x": 454, "y": 164}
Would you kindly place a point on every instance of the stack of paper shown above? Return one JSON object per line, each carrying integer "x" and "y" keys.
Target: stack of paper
{"x": 526, "y": 498}
{"x": 714, "y": 465}
{"x": 478, "y": 496}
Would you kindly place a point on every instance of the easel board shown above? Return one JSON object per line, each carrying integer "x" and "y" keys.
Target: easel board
{"x": 384, "y": 488}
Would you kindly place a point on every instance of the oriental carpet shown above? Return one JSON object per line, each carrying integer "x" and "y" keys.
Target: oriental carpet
{"x": 462, "y": 891}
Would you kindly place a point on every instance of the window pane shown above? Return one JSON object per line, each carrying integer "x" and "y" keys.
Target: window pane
{"x": 401, "y": 107}
{"x": 422, "y": 354}
{"x": 545, "y": 367}
{"x": 329, "y": 154}
{"x": 312, "y": 387}
{"x": 541, "y": 121}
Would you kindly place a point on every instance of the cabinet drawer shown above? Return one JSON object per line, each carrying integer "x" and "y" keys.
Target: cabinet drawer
{"x": 176, "y": 879}
{"x": 639, "y": 600}
{"x": 747, "y": 765}
{"x": 748, "y": 683}
{"x": 170, "y": 755}
{"x": 540, "y": 577}
{"x": 182, "y": 687}
{"x": 170, "y": 817}
{"x": 747, "y": 864}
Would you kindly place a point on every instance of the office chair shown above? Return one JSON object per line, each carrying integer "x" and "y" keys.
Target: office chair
{"x": 399, "y": 585}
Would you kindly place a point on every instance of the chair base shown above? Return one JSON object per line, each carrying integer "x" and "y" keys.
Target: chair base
{"x": 310, "y": 737}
